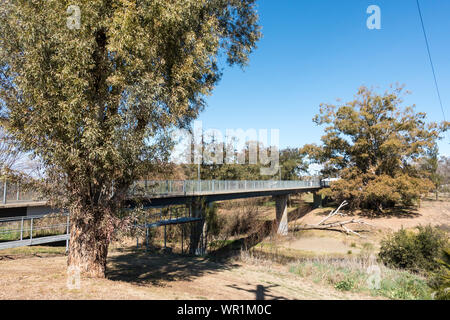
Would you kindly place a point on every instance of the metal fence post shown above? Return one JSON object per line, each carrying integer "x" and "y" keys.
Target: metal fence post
{"x": 4, "y": 191}
{"x": 165, "y": 237}
{"x": 182, "y": 239}
{"x": 146, "y": 238}
{"x": 21, "y": 230}
{"x": 31, "y": 229}
{"x": 18, "y": 191}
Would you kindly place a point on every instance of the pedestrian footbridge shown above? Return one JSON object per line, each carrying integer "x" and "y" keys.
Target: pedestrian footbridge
{"x": 193, "y": 194}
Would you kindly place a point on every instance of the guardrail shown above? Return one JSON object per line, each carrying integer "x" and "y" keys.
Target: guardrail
{"x": 14, "y": 192}
{"x": 11, "y": 193}
{"x": 192, "y": 187}
{"x": 30, "y": 230}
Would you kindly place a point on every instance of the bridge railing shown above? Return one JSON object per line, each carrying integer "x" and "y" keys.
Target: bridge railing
{"x": 32, "y": 227}
{"x": 14, "y": 192}
{"x": 182, "y": 187}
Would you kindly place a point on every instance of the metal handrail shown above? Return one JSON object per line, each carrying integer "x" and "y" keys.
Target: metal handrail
{"x": 168, "y": 187}
{"x": 13, "y": 193}
{"x": 32, "y": 228}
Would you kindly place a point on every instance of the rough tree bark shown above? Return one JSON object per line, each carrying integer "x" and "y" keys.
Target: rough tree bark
{"x": 90, "y": 235}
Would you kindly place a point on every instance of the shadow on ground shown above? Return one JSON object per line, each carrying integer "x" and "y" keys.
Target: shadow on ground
{"x": 139, "y": 267}
{"x": 143, "y": 268}
{"x": 396, "y": 212}
{"x": 261, "y": 292}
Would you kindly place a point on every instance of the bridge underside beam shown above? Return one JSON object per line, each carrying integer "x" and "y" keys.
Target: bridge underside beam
{"x": 157, "y": 202}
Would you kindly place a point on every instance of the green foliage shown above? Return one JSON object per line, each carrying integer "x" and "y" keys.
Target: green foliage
{"x": 401, "y": 285}
{"x": 292, "y": 164}
{"x": 242, "y": 166}
{"x": 352, "y": 275}
{"x": 212, "y": 219}
{"x": 441, "y": 281}
{"x": 373, "y": 145}
{"x": 444, "y": 173}
{"x": 8, "y": 152}
{"x": 95, "y": 104}
{"x": 415, "y": 251}
{"x": 345, "y": 285}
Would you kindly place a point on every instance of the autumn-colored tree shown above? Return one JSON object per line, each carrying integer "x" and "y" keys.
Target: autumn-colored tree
{"x": 373, "y": 144}
{"x": 91, "y": 89}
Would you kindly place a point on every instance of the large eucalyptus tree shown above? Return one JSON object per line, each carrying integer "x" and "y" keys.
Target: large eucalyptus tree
{"x": 91, "y": 87}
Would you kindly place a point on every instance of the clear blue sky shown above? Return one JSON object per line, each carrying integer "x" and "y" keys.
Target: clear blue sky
{"x": 316, "y": 51}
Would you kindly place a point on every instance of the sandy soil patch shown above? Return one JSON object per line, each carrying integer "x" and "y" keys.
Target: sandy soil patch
{"x": 319, "y": 245}
{"x": 436, "y": 213}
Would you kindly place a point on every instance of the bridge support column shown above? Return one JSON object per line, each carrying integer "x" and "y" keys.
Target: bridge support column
{"x": 317, "y": 202}
{"x": 198, "y": 229}
{"x": 282, "y": 214}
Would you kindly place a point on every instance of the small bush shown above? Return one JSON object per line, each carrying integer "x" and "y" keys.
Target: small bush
{"x": 242, "y": 221}
{"x": 417, "y": 252}
{"x": 345, "y": 285}
{"x": 353, "y": 275}
{"x": 441, "y": 280}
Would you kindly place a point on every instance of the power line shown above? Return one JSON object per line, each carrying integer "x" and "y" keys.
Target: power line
{"x": 431, "y": 60}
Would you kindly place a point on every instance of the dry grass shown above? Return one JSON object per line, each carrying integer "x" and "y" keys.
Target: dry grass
{"x": 137, "y": 275}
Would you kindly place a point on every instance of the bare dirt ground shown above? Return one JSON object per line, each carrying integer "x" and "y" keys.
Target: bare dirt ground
{"x": 435, "y": 213}
{"x": 25, "y": 274}
{"x": 138, "y": 275}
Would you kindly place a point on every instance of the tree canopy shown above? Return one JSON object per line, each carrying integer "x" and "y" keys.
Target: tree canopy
{"x": 94, "y": 100}
{"x": 373, "y": 144}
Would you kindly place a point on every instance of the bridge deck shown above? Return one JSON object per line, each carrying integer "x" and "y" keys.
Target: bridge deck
{"x": 15, "y": 197}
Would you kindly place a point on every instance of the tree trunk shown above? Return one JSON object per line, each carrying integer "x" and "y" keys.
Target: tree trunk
{"x": 89, "y": 241}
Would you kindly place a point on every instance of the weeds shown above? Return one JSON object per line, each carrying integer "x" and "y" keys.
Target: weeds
{"x": 355, "y": 275}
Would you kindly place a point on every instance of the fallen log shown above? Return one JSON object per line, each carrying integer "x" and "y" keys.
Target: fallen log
{"x": 339, "y": 224}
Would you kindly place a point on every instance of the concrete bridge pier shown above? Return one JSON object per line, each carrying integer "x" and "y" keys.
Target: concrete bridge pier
{"x": 197, "y": 244}
{"x": 317, "y": 200}
{"x": 282, "y": 214}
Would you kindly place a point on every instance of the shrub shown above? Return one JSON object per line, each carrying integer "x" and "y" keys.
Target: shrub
{"x": 441, "y": 281}
{"x": 242, "y": 221}
{"x": 353, "y": 275}
{"x": 414, "y": 251}
{"x": 345, "y": 285}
